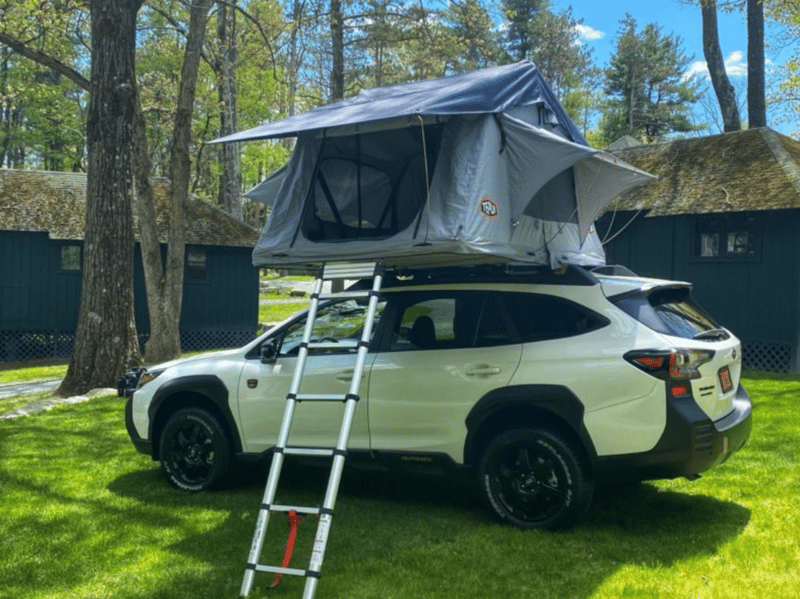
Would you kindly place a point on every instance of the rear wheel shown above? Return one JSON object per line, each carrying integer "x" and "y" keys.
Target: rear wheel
{"x": 532, "y": 478}
{"x": 195, "y": 451}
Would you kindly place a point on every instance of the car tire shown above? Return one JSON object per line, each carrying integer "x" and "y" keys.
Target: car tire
{"x": 195, "y": 450}
{"x": 533, "y": 478}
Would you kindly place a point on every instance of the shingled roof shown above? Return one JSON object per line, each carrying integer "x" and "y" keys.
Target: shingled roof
{"x": 756, "y": 169}
{"x": 55, "y": 202}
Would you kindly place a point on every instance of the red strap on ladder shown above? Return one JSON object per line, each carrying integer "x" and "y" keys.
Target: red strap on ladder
{"x": 294, "y": 523}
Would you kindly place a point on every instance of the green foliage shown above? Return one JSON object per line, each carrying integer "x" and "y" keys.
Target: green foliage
{"x": 282, "y": 65}
{"x": 42, "y": 114}
{"x": 84, "y": 515}
{"x": 649, "y": 95}
{"x": 522, "y": 34}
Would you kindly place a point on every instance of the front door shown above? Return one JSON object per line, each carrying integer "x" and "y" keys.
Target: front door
{"x": 263, "y": 387}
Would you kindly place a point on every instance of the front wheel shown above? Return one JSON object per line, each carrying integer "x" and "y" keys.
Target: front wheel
{"x": 532, "y": 478}
{"x": 195, "y": 451}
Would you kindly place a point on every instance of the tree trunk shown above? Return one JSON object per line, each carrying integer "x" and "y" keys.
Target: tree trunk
{"x": 337, "y": 45}
{"x": 726, "y": 96}
{"x": 756, "y": 94}
{"x": 105, "y": 340}
{"x": 164, "y": 341}
{"x": 164, "y": 282}
{"x": 230, "y": 189}
{"x": 180, "y": 166}
{"x": 337, "y": 76}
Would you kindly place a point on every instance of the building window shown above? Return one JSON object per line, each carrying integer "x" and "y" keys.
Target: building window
{"x": 70, "y": 257}
{"x": 726, "y": 238}
{"x": 196, "y": 264}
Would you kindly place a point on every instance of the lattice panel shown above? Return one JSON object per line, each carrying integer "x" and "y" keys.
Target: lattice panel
{"x": 769, "y": 357}
{"x": 18, "y": 346}
{"x": 200, "y": 340}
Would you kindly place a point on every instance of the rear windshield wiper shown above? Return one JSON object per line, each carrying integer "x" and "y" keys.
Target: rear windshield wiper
{"x": 719, "y": 334}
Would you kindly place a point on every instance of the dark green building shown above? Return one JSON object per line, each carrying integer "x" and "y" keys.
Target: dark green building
{"x": 724, "y": 215}
{"x": 41, "y": 245}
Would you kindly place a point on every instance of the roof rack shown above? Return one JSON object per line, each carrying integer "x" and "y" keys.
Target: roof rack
{"x": 504, "y": 272}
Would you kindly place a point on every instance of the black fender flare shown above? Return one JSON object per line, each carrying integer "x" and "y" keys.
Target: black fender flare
{"x": 208, "y": 386}
{"x": 525, "y": 405}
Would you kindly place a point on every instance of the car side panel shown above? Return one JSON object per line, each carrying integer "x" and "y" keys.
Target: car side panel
{"x": 624, "y": 409}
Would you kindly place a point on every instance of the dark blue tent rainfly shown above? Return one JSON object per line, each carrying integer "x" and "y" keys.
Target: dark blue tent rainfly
{"x": 493, "y": 90}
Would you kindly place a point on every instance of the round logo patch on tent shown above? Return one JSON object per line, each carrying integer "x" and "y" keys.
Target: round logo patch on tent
{"x": 489, "y": 207}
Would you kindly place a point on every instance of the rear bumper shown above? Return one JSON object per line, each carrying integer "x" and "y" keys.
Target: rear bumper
{"x": 141, "y": 445}
{"x": 691, "y": 443}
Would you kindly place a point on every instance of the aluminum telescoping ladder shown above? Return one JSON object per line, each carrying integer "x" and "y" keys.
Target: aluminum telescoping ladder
{"x": 325, "y": 511}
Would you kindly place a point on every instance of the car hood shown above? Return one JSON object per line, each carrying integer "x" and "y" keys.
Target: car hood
{"x": 198, "y": 358}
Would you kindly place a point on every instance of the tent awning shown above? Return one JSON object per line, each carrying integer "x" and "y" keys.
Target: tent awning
{"x": 493, "y": 90}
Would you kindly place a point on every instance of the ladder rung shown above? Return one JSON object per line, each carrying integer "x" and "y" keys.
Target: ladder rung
{"x": 279, "y": 570}
{"x": 345, "y": 295}
{"x": 308, "y": 451}
{"x": 296, "y": 508}
{"x": 340, "y": 345}
{"x": 349, "y": 271}
{"x": 320, "y": 397}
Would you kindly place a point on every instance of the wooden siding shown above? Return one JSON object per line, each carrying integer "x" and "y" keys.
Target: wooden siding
{"x": 37, "y": 295}
{"x": 226, "y": 300}
{"x": 757, "y": 299}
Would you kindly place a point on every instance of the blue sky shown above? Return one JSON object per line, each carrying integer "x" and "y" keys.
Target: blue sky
{"x": 601, "y": 22}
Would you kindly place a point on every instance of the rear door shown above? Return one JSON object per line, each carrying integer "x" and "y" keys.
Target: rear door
{"x": 441, "y": 352}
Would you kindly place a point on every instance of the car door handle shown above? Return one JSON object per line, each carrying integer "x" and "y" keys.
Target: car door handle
{"x": 482, "y": 370}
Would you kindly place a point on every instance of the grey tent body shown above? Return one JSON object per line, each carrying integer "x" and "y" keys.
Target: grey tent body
{"x": 484, "y": 167}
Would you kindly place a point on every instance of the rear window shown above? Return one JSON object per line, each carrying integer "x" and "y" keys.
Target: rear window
{"x": 544, "y": 317}
{"x": 668, "y": 311}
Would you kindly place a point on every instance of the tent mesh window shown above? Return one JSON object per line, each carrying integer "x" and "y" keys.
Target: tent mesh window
{"x": 366, "y": 186}
{"x": 767, "y": 357}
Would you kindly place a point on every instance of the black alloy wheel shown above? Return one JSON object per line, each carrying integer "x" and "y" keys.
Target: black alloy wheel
{"x": 195, "y": 451}
{"x": 532, "y": 478}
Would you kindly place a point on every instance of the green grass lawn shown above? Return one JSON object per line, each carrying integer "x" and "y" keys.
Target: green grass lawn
{"x": 85, "y": 516}
{"x": 33, "y": 373}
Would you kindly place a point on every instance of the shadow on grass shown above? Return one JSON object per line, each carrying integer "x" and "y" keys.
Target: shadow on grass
{"x": 421, "y": 535}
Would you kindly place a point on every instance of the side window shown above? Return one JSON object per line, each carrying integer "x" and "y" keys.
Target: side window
{"x": 543, "y": 317}
{"x": 458, "y": 320}
{"x": 339, "y": 323}
{"x": 425, "y": 325}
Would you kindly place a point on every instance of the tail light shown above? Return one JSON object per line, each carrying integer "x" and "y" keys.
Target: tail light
{"x": 672, "y": 364}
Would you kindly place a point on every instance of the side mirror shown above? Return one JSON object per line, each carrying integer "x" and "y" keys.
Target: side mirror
{"x": 269, "y": 351}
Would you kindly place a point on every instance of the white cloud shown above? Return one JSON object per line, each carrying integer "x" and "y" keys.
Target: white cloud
{"x": 589, "y": 33}
{"x": 735, "y": 66}
{"x": 698, "y": 67}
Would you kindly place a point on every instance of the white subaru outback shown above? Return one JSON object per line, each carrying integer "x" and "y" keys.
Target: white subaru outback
{"x": 541, "y": 384}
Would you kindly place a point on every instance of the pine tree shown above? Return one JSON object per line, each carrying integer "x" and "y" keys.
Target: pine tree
{"x": 649, "y": 95}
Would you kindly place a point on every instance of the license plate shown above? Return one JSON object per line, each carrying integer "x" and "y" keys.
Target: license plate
{"x": 725, "y": 380}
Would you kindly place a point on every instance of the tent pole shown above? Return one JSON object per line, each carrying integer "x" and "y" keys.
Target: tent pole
{"x": 427, "y": 180}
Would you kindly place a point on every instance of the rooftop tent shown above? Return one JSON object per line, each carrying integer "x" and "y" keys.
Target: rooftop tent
{"x": 481, "y": 167}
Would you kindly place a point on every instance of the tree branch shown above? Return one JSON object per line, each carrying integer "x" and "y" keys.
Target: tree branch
{"x": 45, "y": 60}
